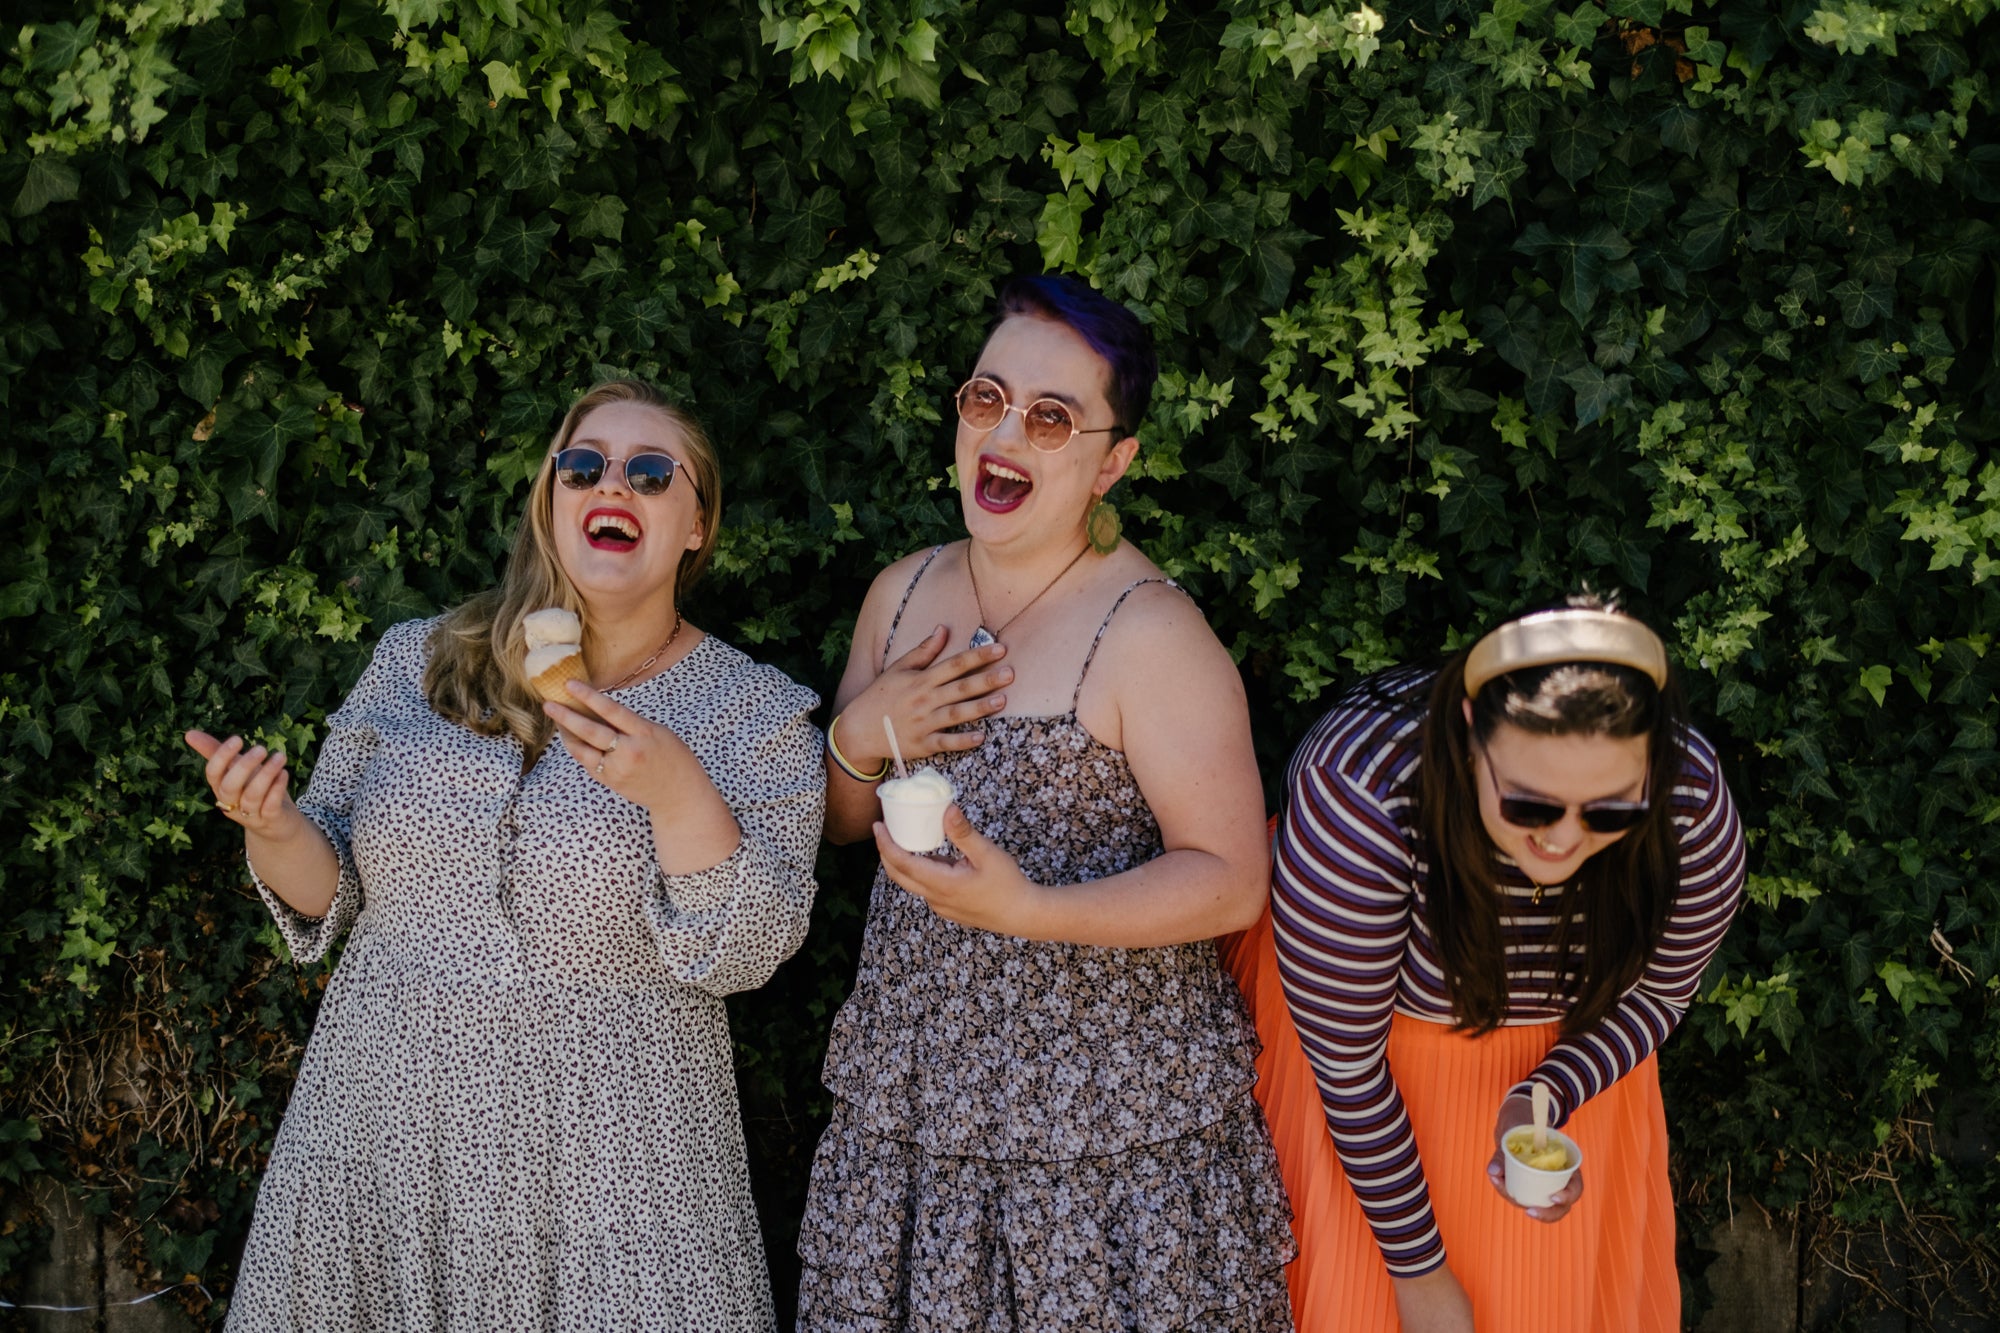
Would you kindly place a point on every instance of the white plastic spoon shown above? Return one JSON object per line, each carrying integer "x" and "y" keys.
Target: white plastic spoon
{"x": 896, "y": 751}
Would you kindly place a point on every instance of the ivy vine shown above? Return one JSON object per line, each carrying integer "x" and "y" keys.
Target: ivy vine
{"x": 1461, "y": 304}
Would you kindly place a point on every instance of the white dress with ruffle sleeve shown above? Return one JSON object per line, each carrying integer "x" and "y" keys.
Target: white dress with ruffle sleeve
{"x": 518, "y": 1109}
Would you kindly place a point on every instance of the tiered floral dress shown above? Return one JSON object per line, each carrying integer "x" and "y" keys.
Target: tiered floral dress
{"x": 1042, "y": 1135}
{"x": 518, "y": 1109}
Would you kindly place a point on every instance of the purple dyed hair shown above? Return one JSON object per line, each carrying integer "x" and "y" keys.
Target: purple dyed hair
{"x": 1112, "y": 331}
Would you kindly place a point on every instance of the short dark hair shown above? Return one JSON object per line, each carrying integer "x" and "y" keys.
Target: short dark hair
{"x": 1111, "y": 329}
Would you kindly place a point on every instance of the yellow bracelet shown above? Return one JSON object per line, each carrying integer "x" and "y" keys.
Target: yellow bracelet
{"x": 840, "y": 760}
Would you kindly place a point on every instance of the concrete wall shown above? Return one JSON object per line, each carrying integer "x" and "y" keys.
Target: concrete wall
{"x": 83, "y": 1267}
{"x": 1763, "y": 1283}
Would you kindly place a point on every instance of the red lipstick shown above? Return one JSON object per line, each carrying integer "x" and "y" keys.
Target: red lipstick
{"x": 607, "y": 528}
{"x": 1001, "y": 486}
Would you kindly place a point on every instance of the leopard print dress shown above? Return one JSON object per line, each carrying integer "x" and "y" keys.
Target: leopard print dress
{"x": 1034, "y": 1135}
{"x": 518, "y": 1109}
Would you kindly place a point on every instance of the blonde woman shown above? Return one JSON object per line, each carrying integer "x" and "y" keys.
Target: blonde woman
{"x": 518, "y": 1109}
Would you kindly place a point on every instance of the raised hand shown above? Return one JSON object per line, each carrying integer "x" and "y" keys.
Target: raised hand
{"x": 633, "y": 755}
{"x": 924, "y": 697}
{"x": 654, "y": 769}
{"x": 251, "y": 786}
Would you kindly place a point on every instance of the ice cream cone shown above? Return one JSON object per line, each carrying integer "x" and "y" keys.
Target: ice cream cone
{"x": 549, "y": 682}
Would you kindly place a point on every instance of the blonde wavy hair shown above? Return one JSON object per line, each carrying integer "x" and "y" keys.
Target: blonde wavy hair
{"x": 475, "y": 675}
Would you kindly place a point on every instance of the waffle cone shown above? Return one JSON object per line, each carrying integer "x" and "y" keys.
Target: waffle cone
{"x": 550, "y": 683}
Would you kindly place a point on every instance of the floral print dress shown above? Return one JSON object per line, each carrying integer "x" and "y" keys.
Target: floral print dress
{"x": 1032, "y": 1135}
{"x": 518, "y": 1109}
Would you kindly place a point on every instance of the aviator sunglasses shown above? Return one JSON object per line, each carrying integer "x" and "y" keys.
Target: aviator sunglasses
{"x": 1047, "y": 422}
{"x": 1597, "y": 816}
{"x": 649, "y": 473}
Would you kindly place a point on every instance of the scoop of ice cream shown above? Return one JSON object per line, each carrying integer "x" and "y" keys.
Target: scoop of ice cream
{"x": 914, "y": 807}
{"x": 552, "y": 625}
{"x": 923, "y": 785}
{"x": 541, "y": 658}
{"x": 1554, "y": 1157}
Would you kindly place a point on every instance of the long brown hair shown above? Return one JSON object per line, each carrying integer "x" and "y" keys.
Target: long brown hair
{"x": 475, "y": 675}
{"x": 1622, "y": 893}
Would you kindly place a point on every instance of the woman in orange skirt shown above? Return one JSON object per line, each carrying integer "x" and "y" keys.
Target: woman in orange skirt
{"x": 1504, "y": 873}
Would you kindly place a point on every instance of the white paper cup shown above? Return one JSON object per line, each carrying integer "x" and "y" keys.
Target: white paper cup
{"x": 1532, "y": 1188}
{"x": 915, "y": 820}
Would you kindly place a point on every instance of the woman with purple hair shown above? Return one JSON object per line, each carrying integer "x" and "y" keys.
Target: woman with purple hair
{"x": 1042, "y": 1081}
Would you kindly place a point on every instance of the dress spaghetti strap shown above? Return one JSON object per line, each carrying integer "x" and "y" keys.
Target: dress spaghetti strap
{"x": 889, "y": 639}
{"x": 1091, "y": 656}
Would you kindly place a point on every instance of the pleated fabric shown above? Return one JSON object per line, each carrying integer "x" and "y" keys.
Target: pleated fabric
{"x": 1608, "y": 1265}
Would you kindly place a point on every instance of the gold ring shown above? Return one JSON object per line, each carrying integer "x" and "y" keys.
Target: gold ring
{"x": 599, "y": 770}
{"x": 614, "y": 744}
{"x": 225, "y": 807}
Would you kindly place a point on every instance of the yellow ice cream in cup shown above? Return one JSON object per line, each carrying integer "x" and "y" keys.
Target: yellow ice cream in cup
{"x": 1535, "y": 1175}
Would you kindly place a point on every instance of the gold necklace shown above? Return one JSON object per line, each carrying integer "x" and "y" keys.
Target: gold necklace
{"x": 982, "y": 635}
{"x": 634, "y": 672}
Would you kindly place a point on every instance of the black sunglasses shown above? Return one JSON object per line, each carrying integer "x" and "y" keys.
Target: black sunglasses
{"x": 648, "y": 473}
{"x": 1597, "y": 816}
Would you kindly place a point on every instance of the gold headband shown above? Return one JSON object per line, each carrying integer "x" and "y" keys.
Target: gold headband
{"x": 1572, "y": 635}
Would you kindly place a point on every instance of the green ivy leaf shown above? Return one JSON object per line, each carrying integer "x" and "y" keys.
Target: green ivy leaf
{"x": 48, "y": 181}
{"x": 58, "y": 46}
{"x": 1580, "y": 26}
{"x": 348, "y": 53}
{"x": 503, "y": 80}
{"x": 1477, "y": 508}
{"x": 1597, "y": 393}
{"x": 1274, "y": 257}
{"x": 1708, "y": 231}
{"x": 603, "y": 216}
{"x": 1575, "y": 144}
{"x": 516, "y": 245}
{"x": 1591, "y": 261}
{"x": 1059, "y": 232}
{"x": 1862, "y": 303}
{"x": 201, "y": 377}
{"x": 1680, "y": 128}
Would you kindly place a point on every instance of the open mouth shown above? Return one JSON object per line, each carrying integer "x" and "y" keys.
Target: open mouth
{"x": 611, "y": 530}
{"x": 1548, "y": 854}
{"x": 1002, "y": 486}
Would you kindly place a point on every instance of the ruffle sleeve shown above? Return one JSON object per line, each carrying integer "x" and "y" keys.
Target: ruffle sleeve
{"x": 727, "y": 928}
{"x": 354, "y": 733}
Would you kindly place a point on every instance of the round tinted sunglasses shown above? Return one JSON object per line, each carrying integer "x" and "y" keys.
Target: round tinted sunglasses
{"x": 649, "y": 473}
{"x": 1047, "y": 422}
{"x": 1597, "y": 816}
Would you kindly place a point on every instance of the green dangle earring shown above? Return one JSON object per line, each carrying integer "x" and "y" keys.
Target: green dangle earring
{"x": 1101, "y": 526}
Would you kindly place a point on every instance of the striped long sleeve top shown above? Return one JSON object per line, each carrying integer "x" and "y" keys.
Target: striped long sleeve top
{"x": 1354, "y": 947}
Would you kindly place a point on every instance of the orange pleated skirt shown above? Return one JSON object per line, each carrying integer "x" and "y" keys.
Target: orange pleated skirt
{"x": 1608, "y": 1265}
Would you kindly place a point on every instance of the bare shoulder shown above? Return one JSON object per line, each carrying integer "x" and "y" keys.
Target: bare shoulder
{"x": 885, "y": 593}
{"x": 1156, "y": 624}
{"x": 878, "y": 612}
{"x": 1157, "y": 616}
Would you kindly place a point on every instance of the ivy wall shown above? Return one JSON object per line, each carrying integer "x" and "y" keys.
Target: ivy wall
{"x": 1462, "y": 305}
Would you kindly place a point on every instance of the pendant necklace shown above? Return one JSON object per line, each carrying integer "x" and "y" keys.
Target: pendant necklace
{"x": 982, "y": 635}
{"x": 632, "y": 675}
